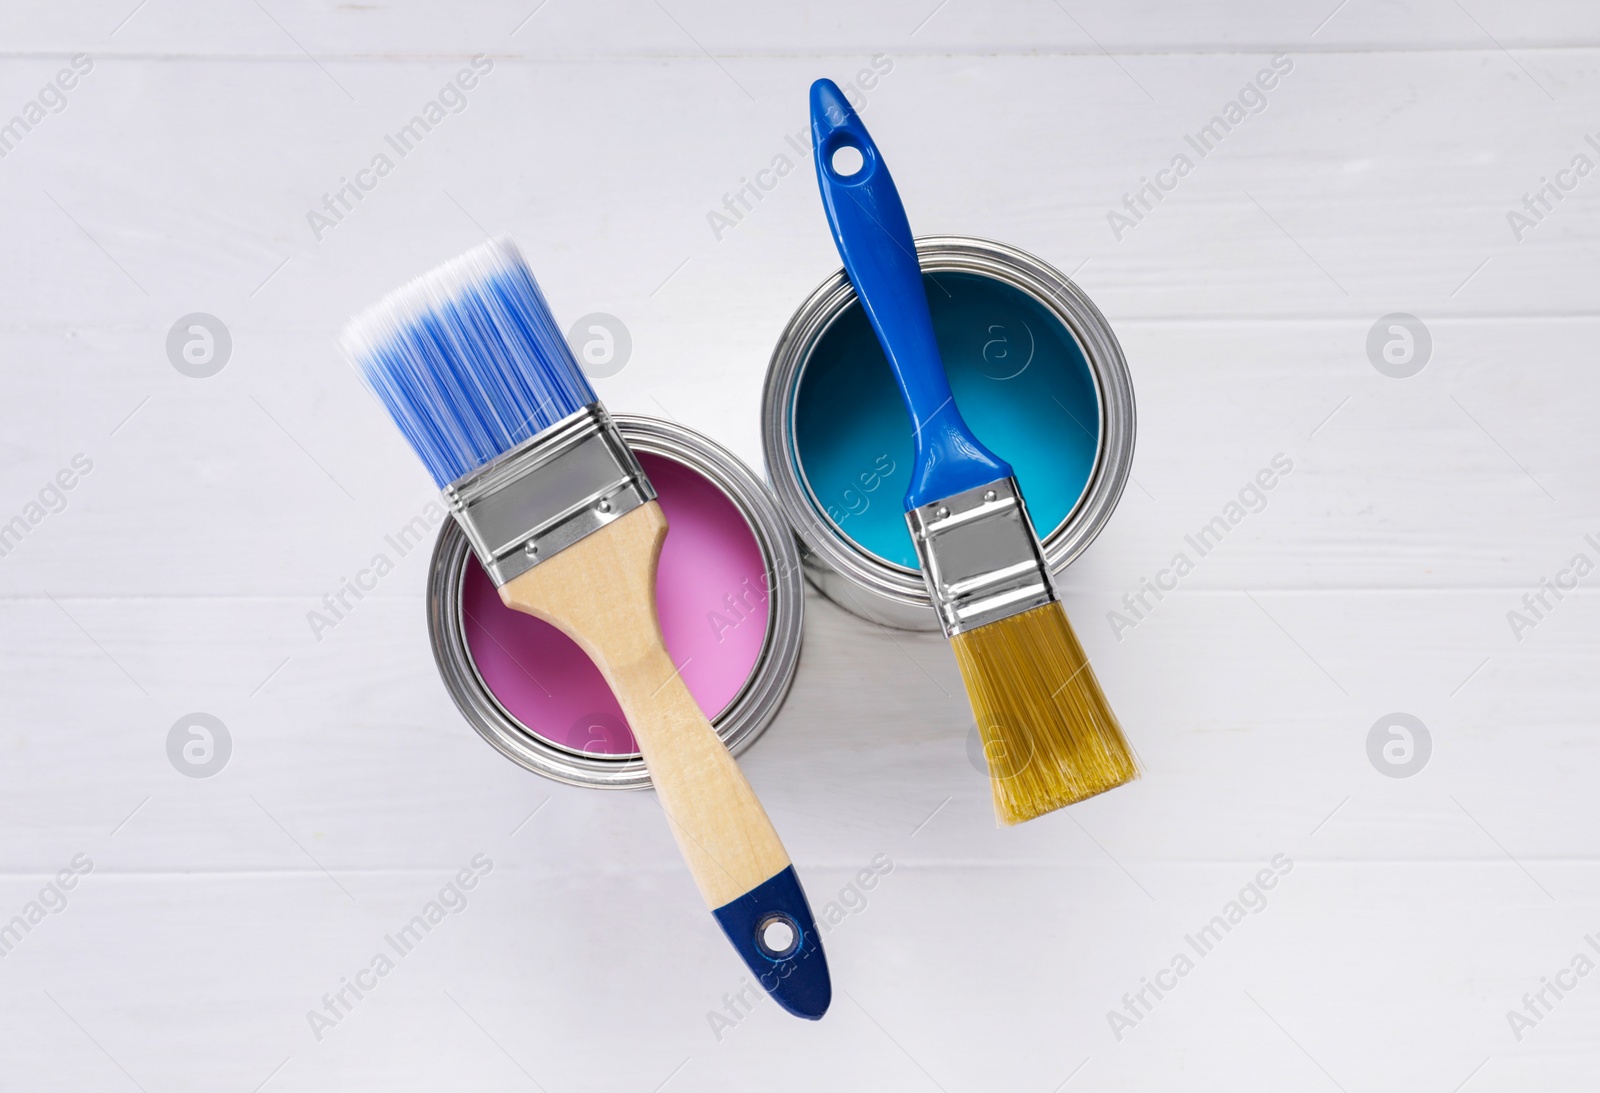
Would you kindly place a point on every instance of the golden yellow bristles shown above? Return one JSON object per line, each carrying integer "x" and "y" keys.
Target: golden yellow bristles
{"x": 1048, "y": 734}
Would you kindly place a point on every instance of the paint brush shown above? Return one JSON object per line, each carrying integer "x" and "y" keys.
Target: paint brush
{"x": 1048, "y": 732}
{"x": 475, "y": 373}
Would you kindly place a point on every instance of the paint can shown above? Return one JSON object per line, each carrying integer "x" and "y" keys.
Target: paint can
{"x": 1037, "y": 373}
{"x": 729, "y": 593}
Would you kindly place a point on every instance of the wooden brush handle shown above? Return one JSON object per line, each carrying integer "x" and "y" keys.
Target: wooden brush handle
{"x": 722, "y": 830}
{"x": 601, "y": 592}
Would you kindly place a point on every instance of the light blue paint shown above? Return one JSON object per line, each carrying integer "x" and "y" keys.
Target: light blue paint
{"x": 1019, "y": 378}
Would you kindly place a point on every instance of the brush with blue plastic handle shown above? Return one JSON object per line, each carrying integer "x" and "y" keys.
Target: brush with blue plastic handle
{"x": 475, "y": 372}
{"x": 1047, "y": 730}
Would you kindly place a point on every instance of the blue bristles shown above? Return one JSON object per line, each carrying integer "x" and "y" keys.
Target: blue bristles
{"x": 468, "y": 360}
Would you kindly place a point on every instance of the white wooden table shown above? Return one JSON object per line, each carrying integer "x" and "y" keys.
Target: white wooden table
{"x": 211, "y": 914}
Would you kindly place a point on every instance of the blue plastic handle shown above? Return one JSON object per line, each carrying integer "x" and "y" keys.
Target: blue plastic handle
{"x": 874, "y": 239}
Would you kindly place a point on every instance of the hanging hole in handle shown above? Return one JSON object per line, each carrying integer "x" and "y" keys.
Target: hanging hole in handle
{"x": 777, "y": 936}
{"x": 847, "y": 161}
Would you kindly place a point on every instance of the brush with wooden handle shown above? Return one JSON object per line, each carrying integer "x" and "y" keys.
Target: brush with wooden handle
{"x": 475, "y": 372}
{"x": 1050, "y": 736}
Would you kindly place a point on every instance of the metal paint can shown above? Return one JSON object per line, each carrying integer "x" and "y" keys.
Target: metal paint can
{"x": 685, "y": 463}
{"x": 876, "y": 583}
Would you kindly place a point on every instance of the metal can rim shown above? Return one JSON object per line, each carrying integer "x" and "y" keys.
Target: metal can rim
{"x": 1053, "y": 290}
{"x": 741, "y": 721}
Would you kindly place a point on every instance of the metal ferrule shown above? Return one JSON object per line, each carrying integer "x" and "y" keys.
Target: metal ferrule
{"x": 980, "y": 556}
{"x": 548, "y": 492}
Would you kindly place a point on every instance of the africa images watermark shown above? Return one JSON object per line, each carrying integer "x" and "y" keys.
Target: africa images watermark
{"x": 337, "y": 605}
{"x": 602, "y": 344}
{"x": 51, "y": 900}
{"x": 51, "y": 99}
{"x": 751, "y": 192}
{"x": 855, "y": 502}
{"x": 451, "y": 99}
{"x": 1543, "y": 199}
{"x": 50, "y": 500}
{"x": 1251, "y": 100}
{"x": 451, "y": 900}
{"x": 750, "y": 599}
{"x": 1251, "y": 900}
{"x": 1547, "y": 595}
{"x": 1252, "y": 498}
{"x": 199, "y": 345}
{"x": 1399, "y": 745}
{"x": 1538, "y": 1004}
{"x": 199, "y": 745}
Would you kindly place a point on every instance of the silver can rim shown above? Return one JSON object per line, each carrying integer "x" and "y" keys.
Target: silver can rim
{"x": 1053, "y": 290}
{"x": 744, "y": 718}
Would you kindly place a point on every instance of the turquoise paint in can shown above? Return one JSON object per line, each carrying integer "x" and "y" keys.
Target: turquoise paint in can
{"x": 1033, "y": 366}
{"x": 1018, "y": 376}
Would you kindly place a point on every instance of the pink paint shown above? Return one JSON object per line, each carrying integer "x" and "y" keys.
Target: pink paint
{"x": 711, "y": 595}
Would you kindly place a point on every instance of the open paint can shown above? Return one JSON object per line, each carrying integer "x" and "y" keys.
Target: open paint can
{"x": 1036, "y": 372}
{"x": 729, "y": 594}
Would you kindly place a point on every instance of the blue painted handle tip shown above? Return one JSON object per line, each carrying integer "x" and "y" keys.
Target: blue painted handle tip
{"x": 772, "y": 928}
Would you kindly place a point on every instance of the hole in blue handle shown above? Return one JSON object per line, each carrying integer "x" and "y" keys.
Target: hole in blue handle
{"x": 846, "y": 160}
{"x": 778, "y": 936}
